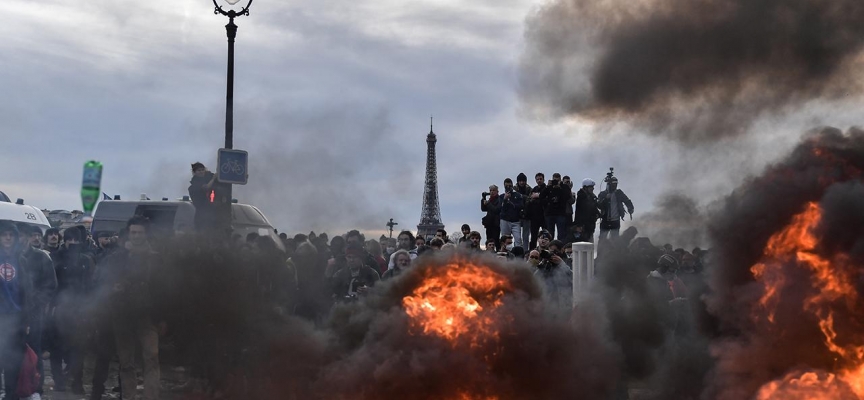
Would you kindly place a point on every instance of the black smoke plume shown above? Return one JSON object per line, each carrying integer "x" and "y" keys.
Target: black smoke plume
{"x": 826, "y": 169}
{"x": 692, "y": 70}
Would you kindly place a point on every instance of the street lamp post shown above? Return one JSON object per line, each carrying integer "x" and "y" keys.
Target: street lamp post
{"x": 231, "y": 30}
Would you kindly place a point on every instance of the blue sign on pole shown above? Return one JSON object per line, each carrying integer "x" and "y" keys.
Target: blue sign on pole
{"x": 232, "y": 166}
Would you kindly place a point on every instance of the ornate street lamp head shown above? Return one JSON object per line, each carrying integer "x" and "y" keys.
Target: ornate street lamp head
{"x": 230, "y": 12}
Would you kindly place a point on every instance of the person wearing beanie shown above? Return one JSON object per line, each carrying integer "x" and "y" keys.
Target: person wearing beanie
{"x": 15, "y": 287}
{"x": 524, "y": 189}
{"x": 355, "y": 278}
{"x": 586, "y": 214}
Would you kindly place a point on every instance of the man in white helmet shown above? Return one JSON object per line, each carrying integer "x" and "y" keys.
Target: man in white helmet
{"x": 586, "y": 214}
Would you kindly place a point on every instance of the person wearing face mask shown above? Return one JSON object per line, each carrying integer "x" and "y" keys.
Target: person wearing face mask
{"x": 586, "y": 214}
{"x": 74, "y": 269}
{"x": 507, "y": 246}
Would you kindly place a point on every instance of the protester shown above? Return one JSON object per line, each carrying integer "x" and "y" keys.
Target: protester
{"x": 74, "y": 268}
{"x": 556, "y": 197}
{"x": 466, "y": 230}
{"x": 511, "y": 205}
{"x": 127, "y": 278}
{"x": 492, "y": 207}
{"x": 14, "y": 317}
{"x": 586, "y": 214}
{"x": 44, "y": 281}
{"x": 402, "y": 260}
{"x": 356, "y": 278}
{"x": 611, "y": 203}
{"x": 52, "y": 241}
{"x": 534, "y": 208}
{"x": 524, "y": 218}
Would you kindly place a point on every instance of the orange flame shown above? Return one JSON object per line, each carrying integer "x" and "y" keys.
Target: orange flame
{"x": 459, "y": 302}
{"x": 797, "y": 243}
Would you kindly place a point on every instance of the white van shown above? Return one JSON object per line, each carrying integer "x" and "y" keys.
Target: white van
{"x": 21, "y": 213}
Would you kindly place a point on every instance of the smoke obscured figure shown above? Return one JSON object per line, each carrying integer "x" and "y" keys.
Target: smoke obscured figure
{"x": 692, "y": 71}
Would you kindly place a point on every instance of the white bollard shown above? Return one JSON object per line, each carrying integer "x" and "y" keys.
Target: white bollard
{"x": 583, "y": 268}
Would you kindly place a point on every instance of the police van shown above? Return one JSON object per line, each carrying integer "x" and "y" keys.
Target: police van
{"x": 168, "y": 218}
{"x": 23, "y": 214}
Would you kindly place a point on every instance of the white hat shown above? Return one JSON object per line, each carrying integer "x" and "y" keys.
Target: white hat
{"x": 587, "y": 182}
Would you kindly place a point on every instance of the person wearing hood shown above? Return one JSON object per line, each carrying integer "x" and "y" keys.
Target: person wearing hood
{"x": 44, "y": 281}
{"x": 586, "y": 214}
{"x": 202, "y": 189}
{"x": 74, "y": 269}
{"x": 15, "y": 306}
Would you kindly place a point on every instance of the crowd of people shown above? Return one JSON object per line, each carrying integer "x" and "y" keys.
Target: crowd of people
{"x": 69, "y": 295}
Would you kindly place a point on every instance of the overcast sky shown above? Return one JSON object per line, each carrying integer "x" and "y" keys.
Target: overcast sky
{"x": 332, "y": 101}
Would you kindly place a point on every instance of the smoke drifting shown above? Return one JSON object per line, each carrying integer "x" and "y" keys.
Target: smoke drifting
{"x": 693, "y": 71}
{"x": 676, "y": 218}
{"x": 826, "y": 169}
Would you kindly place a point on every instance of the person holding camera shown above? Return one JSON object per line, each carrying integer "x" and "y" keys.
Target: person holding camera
{"x": 586, "y": 215}
{"x": 557, "y": 197}
{"x": 534, "y": 207}
{"x": 491, "y": 205}
{"x": 524, "y": 215}
{"x": 557, "y": 278}
{"x": 611, "y": 203}
{"x": 356, "y": 278}
{"x": 511, "y": 205}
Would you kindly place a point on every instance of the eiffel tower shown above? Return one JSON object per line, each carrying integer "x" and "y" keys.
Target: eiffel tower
{"x": 430, "y": 217}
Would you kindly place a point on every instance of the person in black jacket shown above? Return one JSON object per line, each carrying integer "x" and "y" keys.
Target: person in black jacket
{"x": 511, "y": 204}
{"x": 586, "y": 214}
{"x": 524, "y": 217}
{"x": 492, "y": 220}
{"x": 556, "y": 197}
{"x": 74, "y": 268}
{"x": 15, "y": 306}
{"x": 202, "y": 188}
{"x": 611, "y": 203}
{"x": 534, "y": 207}
{"x": 356, "y": 278}
{"x": 44, "y": 281}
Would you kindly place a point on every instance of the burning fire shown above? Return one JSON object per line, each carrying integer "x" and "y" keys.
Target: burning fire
{"x": 460, "y": 302}
{"x": 833, "y": 295}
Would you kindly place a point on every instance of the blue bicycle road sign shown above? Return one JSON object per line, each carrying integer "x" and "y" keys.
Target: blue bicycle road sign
{"x": 232, "y": 166}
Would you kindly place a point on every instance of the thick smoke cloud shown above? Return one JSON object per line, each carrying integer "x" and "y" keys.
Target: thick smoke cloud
{"x": 675, "y": 218}
{"x": 691, "y": 70}
{"x": 536, "y": 356}
{"x": 826, "y": 168}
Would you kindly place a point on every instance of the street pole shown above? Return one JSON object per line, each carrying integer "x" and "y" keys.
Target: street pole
{"x": 231, "y": 31}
